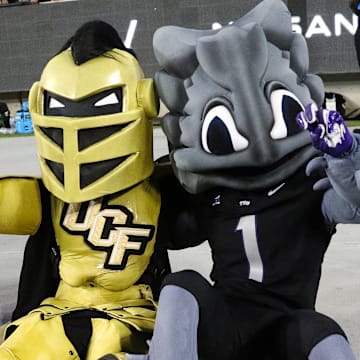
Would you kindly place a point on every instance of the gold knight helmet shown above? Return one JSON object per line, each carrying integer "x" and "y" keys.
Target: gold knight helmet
{"x": 91, "y": 111}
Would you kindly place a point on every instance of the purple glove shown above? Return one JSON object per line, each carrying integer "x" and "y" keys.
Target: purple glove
{"x": 327, "y": 129}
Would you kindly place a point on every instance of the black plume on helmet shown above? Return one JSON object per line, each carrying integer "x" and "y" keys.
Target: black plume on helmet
{"x": 93, "y": 39}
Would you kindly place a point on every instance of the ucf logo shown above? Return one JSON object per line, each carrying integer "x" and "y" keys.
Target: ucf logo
{"x": 107, "y": 228}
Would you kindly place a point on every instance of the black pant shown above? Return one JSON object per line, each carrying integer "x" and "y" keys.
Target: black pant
{"x": 245, "y": 328}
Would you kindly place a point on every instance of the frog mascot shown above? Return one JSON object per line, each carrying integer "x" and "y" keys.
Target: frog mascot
{"x": 89, "y": 291}
{"x": 265, "y": 196}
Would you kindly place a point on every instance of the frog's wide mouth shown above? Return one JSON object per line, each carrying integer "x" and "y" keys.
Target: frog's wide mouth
{"x": 256, "y": 171}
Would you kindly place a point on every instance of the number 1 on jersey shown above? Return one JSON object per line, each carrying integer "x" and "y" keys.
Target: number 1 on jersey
{"x": 247, "y": 225}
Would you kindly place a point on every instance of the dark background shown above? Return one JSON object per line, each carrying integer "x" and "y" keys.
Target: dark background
{"x": 31, "y": 34}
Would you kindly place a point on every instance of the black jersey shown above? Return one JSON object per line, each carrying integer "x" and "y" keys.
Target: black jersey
{"x": 268, "y": 243}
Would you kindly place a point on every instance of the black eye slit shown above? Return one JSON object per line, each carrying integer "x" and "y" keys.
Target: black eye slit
{"x": 290, "y": 108}
{"x": 90, "y": 172}
{"x": 57, "y": 169}
{"x": 88, "y": 137}
{"x": 54, "y": 134}
{"x": 95, "y": 105}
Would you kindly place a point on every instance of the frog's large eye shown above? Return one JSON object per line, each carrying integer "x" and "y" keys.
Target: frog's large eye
{"x": 219, "y": 134}
{"x": 285, "y": 106}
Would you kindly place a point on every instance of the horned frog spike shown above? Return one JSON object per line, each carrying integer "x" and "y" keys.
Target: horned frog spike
{"x": 233, "y": 95}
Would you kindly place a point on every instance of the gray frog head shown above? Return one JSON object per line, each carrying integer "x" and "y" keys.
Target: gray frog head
{"x": 233, "y": 94}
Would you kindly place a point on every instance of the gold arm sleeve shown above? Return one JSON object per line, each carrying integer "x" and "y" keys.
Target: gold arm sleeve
{"x": 20, "y": 205}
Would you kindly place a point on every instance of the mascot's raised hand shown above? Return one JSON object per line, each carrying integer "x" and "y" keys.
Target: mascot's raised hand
{"x": 327, "y": 128}
{"x": 341, "y": 161}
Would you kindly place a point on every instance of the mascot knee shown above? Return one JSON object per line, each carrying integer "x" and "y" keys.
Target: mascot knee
{"x": 308, "y": 328}
{"x": 187, "y": 279}
{"x": 180, "y": 288}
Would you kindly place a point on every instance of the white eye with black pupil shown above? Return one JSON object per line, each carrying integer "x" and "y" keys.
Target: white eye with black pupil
{"x": 285, "y": 106}
{"x": 219, "y": 134}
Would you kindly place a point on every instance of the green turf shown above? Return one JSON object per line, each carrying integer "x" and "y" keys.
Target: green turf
{"x": 353, "y": 123}
{"x": 16, "y": 134}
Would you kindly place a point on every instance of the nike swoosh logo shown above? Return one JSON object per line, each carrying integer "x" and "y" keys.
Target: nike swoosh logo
{"x": 273, "y": 191}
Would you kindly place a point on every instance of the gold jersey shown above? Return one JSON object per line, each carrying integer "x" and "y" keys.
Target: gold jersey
{"x": 105, "y": 244}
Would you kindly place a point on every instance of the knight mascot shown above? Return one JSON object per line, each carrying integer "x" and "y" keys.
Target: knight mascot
{"x": 265, "y": 194}
{"x": 92, "y": 265}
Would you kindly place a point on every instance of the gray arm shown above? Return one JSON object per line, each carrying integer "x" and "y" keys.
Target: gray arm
{"x": 341, "y": 203}
{"x": 337, "y": 210}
